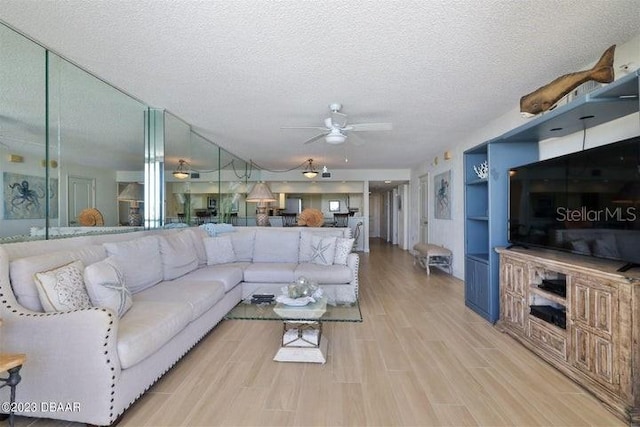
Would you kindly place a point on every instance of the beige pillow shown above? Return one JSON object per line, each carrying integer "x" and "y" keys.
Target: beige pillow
{"x": 62, "y": 289}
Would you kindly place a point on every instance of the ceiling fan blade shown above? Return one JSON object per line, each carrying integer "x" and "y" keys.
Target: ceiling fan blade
{"x": 316, "y": 138}
{"x": 356, "y": 127}
{"x": 305, "y": 127}
{"x": 358, "y": 140}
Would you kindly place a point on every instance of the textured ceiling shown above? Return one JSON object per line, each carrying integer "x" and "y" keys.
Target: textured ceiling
{"x": 239, "y": 70}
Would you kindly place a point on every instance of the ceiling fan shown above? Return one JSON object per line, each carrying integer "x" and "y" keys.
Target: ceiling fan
{"x": 336, "y": 128}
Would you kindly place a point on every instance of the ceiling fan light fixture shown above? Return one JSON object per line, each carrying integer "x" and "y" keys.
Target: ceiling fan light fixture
{"x": 310, "y": 171}
{"x": 335, "y": 138}
{"x": 181, "y": 172}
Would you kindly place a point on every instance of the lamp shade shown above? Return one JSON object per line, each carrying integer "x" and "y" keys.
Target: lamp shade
{"x": 182, "y": 172}
{"x": 310, "y": 171}
{"x": 261, "y": 193}
{"x": 133, "y": 192}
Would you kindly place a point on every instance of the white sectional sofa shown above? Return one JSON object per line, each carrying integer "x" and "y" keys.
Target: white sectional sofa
{"x": 178, "y": 285}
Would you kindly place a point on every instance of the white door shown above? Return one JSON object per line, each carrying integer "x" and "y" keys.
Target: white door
{"x": 424, "y": 209}
{"x": 81, "y": 193}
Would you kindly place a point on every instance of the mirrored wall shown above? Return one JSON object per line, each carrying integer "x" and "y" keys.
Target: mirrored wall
{"x": 79, "y": 156}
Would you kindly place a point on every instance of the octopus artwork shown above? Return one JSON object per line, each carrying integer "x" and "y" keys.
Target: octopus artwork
{"x": 545, "y": 97}
{"x": 25, "y": 197}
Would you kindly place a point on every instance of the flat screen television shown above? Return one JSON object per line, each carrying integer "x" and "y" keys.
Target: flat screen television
{"x": 586, "y": 203}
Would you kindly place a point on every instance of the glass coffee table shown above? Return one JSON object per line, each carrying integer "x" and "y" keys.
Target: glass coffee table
{"x": 302, "y": 338}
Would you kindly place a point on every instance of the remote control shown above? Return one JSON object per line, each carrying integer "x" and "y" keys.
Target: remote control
{"x": 263, "y": 296}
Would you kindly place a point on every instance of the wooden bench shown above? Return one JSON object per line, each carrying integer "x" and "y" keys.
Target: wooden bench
{"x": 429, "y": 255}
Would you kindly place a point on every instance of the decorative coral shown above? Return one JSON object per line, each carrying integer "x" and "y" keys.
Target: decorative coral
{"x": 311, "y": 218}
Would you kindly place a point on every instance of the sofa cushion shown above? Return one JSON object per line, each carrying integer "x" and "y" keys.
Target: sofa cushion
{"x": 148, "y": 326}
{"x": 62, "y": 289}
{"x": 106, "y": 287}
{"x": 343, "y": 249}
{"x": 22, "y": 271}
{"x": 228, "y": 274}
{"x": 219, "y": 250}
{"x": 197, "y": 234}
{"x": 200, "y": 295}
{"x": 139, "y": 260}
{"x": 323, "y": 250}
{"x": 177, "y": 254}
{"x": 276, "y": 246}
{"x": 242, "y": 242}
{"x": 306, "y": 252}
{"x": 325, "y": 273}
{"x": 270, "y": 272}
{"x": 214, "y": 230}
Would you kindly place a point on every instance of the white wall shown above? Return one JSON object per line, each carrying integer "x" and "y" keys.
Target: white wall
{"x": 450, "y": 233}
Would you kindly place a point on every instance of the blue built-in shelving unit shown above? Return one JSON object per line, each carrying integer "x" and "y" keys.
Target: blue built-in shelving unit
{"x": 486, "y": 206}
{"x": 486, "y": 200}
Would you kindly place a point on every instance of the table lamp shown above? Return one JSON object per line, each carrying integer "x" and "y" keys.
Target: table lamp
{"x": 133, "y": 193}
{"x": 262, "y": 195}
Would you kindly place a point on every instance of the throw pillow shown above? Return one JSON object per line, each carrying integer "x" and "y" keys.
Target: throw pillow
{"x": 606, "y": 247}
{"x": 62, "y": 289}
{"x": 139, "y": 260}
{"x": 581, "y": 246}
{"x": 323, "y": 250}
{"x": 106, "y": 286}
{"x": 214, "y": 230}
{"x": 178, "y": 255}
{"x": 343, "y": 249}
{"x": 305, "y": 251}
{"x": 219, "y": 250}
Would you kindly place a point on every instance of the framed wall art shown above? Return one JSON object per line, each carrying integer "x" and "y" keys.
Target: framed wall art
{"x": 25, "y": 196}
{"x": 442, "y": 195}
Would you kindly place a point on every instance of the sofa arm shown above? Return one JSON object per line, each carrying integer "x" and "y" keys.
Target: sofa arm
{"x": 71, "y": 361}
{"x": 353, "y": 262}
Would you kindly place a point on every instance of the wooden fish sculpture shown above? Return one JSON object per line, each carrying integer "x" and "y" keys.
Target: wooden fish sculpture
{"x": 545, "y": 97}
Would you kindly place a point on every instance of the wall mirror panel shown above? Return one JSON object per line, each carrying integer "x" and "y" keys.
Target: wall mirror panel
{"x": 177, "y": 148}
{"x": 79, "y": 156}
{"x": 69, "y": 145}
{"x": 96, "y": 151}
{"x": 191, "y": 195}
{"x": 236, "y": 176}
{"x": 22, "y": 135}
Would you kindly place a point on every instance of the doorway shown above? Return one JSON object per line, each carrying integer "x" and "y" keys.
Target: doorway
{"x": 424, "y": 209}
{"x": 81, "y": 195}
{"x": 293, "y": 205}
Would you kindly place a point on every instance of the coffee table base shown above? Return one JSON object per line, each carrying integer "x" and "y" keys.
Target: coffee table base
{"x": 302, "y": 341}
{"x": 303, "y": 354}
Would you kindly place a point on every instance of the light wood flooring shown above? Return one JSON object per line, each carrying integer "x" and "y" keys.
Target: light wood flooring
{"x": 420, "y": 358}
